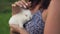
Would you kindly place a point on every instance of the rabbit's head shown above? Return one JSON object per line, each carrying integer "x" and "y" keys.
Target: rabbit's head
{"x": 27, "y": 13}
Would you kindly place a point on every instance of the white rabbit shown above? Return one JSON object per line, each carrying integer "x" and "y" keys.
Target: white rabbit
{"x": 21, "y": 18}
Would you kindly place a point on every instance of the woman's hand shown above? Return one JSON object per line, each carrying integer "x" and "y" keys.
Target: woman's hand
{"x": 19, "y": 4}
{"x": 15, "y": 28}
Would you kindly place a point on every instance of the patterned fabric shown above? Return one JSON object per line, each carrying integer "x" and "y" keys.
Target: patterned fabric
{"x": 35, "y": 25}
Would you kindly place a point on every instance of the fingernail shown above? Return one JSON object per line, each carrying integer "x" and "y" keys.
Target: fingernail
{"x": 24, "y": 6}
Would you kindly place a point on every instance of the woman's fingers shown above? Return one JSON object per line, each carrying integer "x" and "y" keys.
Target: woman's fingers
{"x": 19, "y": 3}
{"x": 22, "y": 3}
{"x": 29, "y": 4}
{"x": 14, "y": 5}
{"x": 25, "y": 2}
{"x": 15, "y": 9}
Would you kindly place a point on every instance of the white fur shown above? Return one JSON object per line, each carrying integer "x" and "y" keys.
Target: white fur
{"x": 21, "y": 18}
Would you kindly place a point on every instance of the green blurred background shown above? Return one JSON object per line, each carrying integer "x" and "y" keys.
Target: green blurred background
{"x": 5, "y": 13}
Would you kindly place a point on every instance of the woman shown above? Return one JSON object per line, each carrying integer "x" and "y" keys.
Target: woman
{"x": 36, "y": 25}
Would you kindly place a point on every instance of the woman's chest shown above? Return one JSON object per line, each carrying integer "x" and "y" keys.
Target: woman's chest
{"x": 36, "y": 24}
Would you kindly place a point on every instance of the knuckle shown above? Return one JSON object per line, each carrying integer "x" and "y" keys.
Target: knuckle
{"x": 13, "y": 5}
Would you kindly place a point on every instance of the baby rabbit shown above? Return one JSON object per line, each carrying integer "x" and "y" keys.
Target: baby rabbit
{"x": 21, "y": 18}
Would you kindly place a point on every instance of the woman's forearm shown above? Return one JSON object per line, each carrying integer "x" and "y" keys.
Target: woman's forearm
{"x": 52, "y": 25}
{"x": 17, "y": 29}
{"x": 23, "y": 31}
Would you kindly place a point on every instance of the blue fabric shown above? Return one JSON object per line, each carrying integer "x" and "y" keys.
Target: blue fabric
{"x": 36, "y": 25}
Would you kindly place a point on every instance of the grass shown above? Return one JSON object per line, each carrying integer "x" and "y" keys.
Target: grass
{"x": 4, "y": 26}
{"x": 5, "y": 9}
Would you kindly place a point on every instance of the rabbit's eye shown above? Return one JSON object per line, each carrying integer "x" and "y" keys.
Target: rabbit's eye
{"x": 26, "y": 15}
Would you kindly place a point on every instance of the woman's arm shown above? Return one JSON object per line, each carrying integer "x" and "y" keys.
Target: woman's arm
{"x": 14, "y": 28}
{"x": 52, "y": 25}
